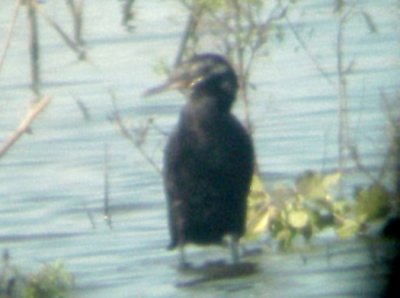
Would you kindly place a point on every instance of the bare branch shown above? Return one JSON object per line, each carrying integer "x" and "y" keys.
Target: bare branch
{"x": 360, "y": 166}
{"x": 34, "y": 48}
{"x": 76, "y": 11}
{"x": 190, "y": 31}
{"x": 60, "y": 31}
{"x": 308, "y": 52}
{"x": 107, "y": 213}
{"x": 83, "y": 108}
{"x": 9, "y": 33}
{"x": 116, "y": 118}
{"x": 89, "y": 215}
{"x": 34, "y": 110}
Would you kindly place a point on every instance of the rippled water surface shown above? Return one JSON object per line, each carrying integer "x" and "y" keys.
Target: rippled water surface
{"x": 51, "y": 190}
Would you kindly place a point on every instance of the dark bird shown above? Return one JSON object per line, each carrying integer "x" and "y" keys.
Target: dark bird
{"x": 208, "y": 162}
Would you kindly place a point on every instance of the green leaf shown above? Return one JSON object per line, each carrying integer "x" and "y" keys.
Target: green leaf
{"x": 341, "y": 207}
{"x": 257, "y": 192}
{"x": 284, "y": 237}
{"x": 348, "y": 229}
{"x": 372, "y": 202}
{"x": 258, "y": 224}
{"x": 283, "y": 193}
{"x": 298, "y": 219}
{"x": 330, "y": 180}
{"x": 212, "y": 5}
{"x": 259, "y": 211}
{"x": 313, "y": 185}
{"x": 53, "y": 280}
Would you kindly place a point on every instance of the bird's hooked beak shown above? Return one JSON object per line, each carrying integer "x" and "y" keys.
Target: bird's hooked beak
{"x": 168, "y": 85}
{"x": 178, "y": 81}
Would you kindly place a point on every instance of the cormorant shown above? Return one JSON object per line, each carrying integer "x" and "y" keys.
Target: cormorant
{"x": 208, "y": 161}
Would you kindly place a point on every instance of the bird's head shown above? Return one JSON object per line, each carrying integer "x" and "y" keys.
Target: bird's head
{"x": 206, "y": 77}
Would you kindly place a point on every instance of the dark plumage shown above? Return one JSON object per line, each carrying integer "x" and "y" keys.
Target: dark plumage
{"x": 208, "y": 161}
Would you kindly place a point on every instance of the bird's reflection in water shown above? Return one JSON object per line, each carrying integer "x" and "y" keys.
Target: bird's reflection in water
{"x": 213, "y": 271}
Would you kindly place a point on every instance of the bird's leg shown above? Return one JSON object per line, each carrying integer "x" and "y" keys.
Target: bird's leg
{"x": 181, "y": 238}
{"x": 234, "y": 246}
{"x": 182, "y": 258}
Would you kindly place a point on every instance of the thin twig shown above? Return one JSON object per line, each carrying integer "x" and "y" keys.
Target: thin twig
{"x": 34, "y": 47}
{"x": 343, "y": 137}
{"x": 308, "y": 52}
{"x": 107, "y": 213}
{"x": 128, "y": 135}
{"x": 391, "y": 113}
{"x": 190, "y": 32}
{"x": 360, "y": 166}
{"x": 34, "y": 110}
{"x": 9, "y": 33}
{"x": 76, "y": 11}
{"x": 59, "y": 30}
{"x": 128, "y": 14}
{"x": 390, "y": 109}
{"x": 83, "y": 108}
{"x": 89, "y": 215}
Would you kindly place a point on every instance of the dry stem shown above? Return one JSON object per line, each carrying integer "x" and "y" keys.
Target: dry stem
{"x": 34, "y": 110}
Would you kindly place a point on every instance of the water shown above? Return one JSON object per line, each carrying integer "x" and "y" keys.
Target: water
{"x": 51, "y": 195}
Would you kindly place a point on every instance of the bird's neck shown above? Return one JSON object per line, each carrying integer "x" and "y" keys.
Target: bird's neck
{"x": 200, "y": 119}
{"x": 204, "y": 110}
{"x": 213, "y": 101}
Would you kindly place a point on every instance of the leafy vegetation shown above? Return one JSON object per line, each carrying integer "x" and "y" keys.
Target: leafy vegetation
{"x": 50, "y": 281}
{"x": 310, "y": 206}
